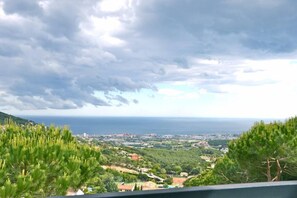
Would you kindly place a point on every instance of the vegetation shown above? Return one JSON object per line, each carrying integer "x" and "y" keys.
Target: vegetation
{"x": 267, "y": 152}
{"x": 40, "y": 161}
{"x": 161, "y": 162}
{"x": 218, "y": 143}
{"x": 122, "y": 177}
{"x": 4, "y": 117}
{"x": 176, "y": 161}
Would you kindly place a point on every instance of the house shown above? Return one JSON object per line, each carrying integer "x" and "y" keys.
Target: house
{"x": 135, "y": 157}
{"x": 125, "y": 187}
{"x": 178, "y": 181}
{"x": 184, "y": 174}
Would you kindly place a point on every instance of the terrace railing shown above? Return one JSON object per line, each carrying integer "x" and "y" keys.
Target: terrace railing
{"x": 286, "y": 189}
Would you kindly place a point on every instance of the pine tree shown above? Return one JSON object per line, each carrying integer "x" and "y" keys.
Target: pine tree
{"x": 40, "y": 161}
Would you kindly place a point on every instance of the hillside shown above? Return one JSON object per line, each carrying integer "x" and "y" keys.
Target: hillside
{"x": 4, "y": 116}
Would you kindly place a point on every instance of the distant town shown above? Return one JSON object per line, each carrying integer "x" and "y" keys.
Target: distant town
{"x": 153, "y": 140}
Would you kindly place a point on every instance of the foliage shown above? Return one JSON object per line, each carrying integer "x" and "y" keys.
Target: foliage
{"x": 142, "y": 177}
{"x": 109, "y": 183}
{"x": 137, "y": 188}
{"x": 96, "y": 185}
{"x": 205, "y": 178}
{"x": 39, "y": 161}
{"x": 122, "y": 177}
{"x": 175, "y": 161}
{"x": 215, "y": 143}
{"x": 168, "y": 181}
{"x": 161, "y": 162}
{"x": 267, "y": 152}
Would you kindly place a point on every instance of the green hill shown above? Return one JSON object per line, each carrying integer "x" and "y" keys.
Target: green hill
{"x": 4, "y": 117}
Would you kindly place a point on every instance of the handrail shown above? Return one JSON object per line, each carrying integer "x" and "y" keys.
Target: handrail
{"x": 285, "y": 189}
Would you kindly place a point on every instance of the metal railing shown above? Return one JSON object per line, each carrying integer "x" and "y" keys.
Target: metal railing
{"x": 286, "y": 189}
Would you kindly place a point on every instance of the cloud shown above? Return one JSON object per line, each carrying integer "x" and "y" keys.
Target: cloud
{"x": 58, "y": 54}
{"x": 170, "y": 92}
{"x": 26, "y": 7}
{"x": 220, "y": 27}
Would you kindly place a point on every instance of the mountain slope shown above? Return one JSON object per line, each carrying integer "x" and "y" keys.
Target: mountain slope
{"x": 4, "y": 116}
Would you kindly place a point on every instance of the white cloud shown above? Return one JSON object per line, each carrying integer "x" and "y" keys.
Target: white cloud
{"x": 44, "y": 4}
{"x": 205, "y": 61}
{"x": 104, "y": 25}
{"x": 109, "y": 40}
{"x": 113, "y": 5}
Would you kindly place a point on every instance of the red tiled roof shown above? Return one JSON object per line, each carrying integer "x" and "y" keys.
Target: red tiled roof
{"x": 125, "y": 187}
{"x": 178, "y": 180}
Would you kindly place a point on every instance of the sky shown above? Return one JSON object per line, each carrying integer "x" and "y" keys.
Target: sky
{"x": 190, "y": 58}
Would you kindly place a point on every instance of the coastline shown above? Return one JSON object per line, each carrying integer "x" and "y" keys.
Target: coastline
{"x": 148, "y": 125}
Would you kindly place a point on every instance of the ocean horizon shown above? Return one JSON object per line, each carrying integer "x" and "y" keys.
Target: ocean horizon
{"x": 147, "y": 125}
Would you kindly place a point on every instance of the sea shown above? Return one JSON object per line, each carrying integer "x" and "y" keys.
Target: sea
{"x": 148, "y": 125}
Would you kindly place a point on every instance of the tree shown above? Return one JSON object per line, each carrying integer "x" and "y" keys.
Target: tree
{"x": 207, "y": 177}
{"x": 142, "y": 177}
{"x": 168, "y": 181}
{"x": 267, "y": 152}
{"x": 42, "y": 161}
{"x": 129, "y": 177}
{"x": 96, "y": 185}
{"x": 195, "y": 171}
{"x": 137, "y": 188}
{"x": 177, "y": 169}
{"x": 109, "y": 183}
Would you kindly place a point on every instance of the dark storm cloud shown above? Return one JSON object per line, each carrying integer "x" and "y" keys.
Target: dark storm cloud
{"x": 219, "y": 27}
{"x": 52, "y": 57}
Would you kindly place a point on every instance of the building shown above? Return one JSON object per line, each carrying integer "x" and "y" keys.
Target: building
{"x": 135, "y": 157}
{"x": 184, "y": 174}
{"x": 178, "y": 181}
{"x": 126, "y": 187}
